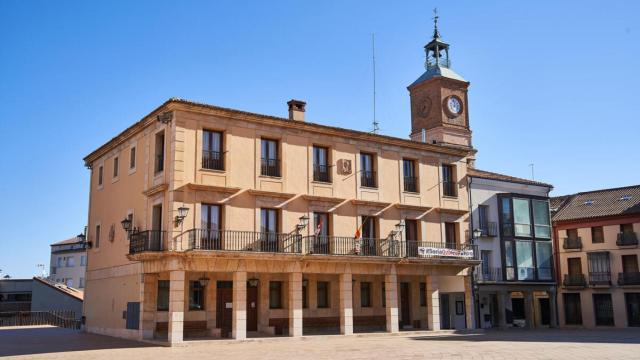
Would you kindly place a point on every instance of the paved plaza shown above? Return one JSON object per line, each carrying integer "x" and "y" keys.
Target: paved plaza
{"x": 55, "y": 343}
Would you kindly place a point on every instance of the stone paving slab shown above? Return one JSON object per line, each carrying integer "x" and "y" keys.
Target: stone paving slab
{"x": 55, "y": 343}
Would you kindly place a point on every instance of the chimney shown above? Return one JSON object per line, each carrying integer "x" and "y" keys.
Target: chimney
{"x": 296, "y": 109}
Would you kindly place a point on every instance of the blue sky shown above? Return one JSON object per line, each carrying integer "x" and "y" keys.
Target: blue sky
{"x": 552, "y": 83}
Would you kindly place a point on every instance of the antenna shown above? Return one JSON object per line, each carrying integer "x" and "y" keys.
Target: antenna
{"x": 532, "y": 174}
{"x": 376, "y": 128}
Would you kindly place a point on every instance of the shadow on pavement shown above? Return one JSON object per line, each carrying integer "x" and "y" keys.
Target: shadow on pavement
{"x": 40, "y": 340}
{"x": 609, "y": 336}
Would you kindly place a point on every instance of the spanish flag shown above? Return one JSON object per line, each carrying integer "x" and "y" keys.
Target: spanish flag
{"x": 359, "y": 229}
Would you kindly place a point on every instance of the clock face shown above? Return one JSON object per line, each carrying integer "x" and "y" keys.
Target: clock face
{"x": 454, "y": 106}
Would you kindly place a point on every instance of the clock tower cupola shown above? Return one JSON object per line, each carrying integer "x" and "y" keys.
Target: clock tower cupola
{"x": 439, "y": 106}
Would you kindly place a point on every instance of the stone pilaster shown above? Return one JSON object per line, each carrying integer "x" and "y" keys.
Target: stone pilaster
{"x": 468, "y": 303}
{"x": 433, "y": 303}
{"x": 346, "y": 304}
{"x": 176, "y": 306}
{"x": 530, "y": 321}
{"x": 239, "y": 319}
{"x": 149, "y": 296}
{"x": 295, "y": 304}
{"x": 391, "y": 298}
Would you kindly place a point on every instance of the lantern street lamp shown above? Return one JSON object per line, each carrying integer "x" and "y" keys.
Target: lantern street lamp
{"x": 304, "y": 221}
{"x": 477, "y": 233}
{"x": 204, "y": 281}
{"x": 126, "y": 224}
{"x": 182, "y": 214}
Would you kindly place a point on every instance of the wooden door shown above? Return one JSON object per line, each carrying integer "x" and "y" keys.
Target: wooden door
{"x": 252, "y": 308}
{"x": 445, "y": 316}
{"x": 405, "y": 304}
{"x": 224, "y": 310}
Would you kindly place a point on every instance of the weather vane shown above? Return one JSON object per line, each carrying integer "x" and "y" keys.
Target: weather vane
{"x": 435, "y": 23}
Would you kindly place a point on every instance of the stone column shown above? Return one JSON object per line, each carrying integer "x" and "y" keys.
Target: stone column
{"x": 553, "y": 315}
{"x": 502, "y": 309}
{"x": 391, "y": 298}
{"x": 433, "y": 303}
{"x": 149, "y": 304}
{"x": 469, "y": 303}
{"x": 346, "y": 304}
{"x": 295, "y": 304}
{"x": 239, "y": 318}
{"x": 530, "y": 321}
{"x": 176, "y": 306}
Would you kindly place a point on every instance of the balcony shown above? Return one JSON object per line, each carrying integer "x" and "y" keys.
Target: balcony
{"x": 261, "y": 242}
{"x": 627, "y": 239}
{"x": 572, "y": 243}
{"x": 212, "y": 160}
{"x": 574, "y": 280}
{"x": 321, "y": 173}
{"x": 411, "y": 184}
{"x": 600, "y": 278}
{"x": 270, "y": 167}
{"x": 489, "y": 229}
{"x": 488, "y": 275}
{"x": 149, "y": 240}
{"x": 449, "y": 188}
{"x": 628, "y": 278}
{"x": 368, "y": 179}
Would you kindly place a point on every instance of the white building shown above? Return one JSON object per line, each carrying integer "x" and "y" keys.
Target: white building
{"x": 69, "y": 262}
{"x": 515, "y": 284}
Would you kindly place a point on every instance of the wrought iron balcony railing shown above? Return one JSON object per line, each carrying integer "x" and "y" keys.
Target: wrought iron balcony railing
{"x": 411, "y": 184}
{"x": 230, "y": 240}
{"x": 488, "y": 274}
{"x": 600, "y": 278}
{"x": 626, "y": 239}
{"x": 368, "y": 179}
{"x": 270, "y": 167}
{"x": 149, "y": 240}
{"x": 213, "y": 160}
{"x": 340, "y": 245}
{"x": 572, "y": 243}
{"x": 628, "y": 278}
{"x": 321, "y": 173}
{"x": 575, "y": 280}
{"x": 449, "y": 188}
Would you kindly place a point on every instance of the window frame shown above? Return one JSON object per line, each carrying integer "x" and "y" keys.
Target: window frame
{"x": 316, "y": 150}
{"x": 208, "y": 135}
{"x": 448, "y": 173}
{"x": 365, "y": 301}
{"x": 275, "y": 289}
{"x": 116, "y": 167}
{"x": 323, "y": 299}
{"x": 163, "y": 286}
{"x": 197, "y": 296}
{"x": 266, "y": 156}
{"x": 133, "y": 151}
{"x": 411, "y": 165}
{"x": 371, "y": 181}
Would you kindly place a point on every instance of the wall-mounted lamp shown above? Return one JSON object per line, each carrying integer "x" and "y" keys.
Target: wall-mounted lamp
{"x": 182, "y": 213}
{"x": 204, "y": 281}
{"x": 253, "y": 282}
{"x": 304, "y": 221}
{"x": 305, "y": 282}
{"x": 477, "y": 233}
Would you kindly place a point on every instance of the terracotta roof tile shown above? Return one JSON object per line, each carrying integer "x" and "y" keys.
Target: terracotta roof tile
{"x": 73, "y": 240}
{"x": 501, "y": 177}
{"x": 600, "y": 203}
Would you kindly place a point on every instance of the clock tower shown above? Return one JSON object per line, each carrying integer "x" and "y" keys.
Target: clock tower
{"x": 439, "y": 106}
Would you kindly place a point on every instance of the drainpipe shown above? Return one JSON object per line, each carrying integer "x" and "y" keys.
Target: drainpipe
{"x": 474, "y": 294}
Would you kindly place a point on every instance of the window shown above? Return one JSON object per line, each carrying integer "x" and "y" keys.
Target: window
{"x": 83, "y": 260}
{"x": 541, "y": 219}
{"x": 116, "y": 166}
{"x": 506, "y": 217}
{"x": 270, "y": 158}
{"x": 448, "y": 181}
{"x": 450, "y": 236}
{"x": 275, "y": 294}
{"x": 322, "y": 294}
{"x": 572, "y": 233}
{"x": 81, "y": 283}
{"x": 159, "y": 152}
{"x": 524, "y": 258}
{"x": 626, "y": 228}
{"x": 269, "y": 227}
{"x": 485, "y": 256}
{"x": 509, "y": 261}
{"x": 572, "y": 311}
{"x": 522, "y": 217}
{"x": 368, "y": 173}
{"x": 100, "y": 174}
{"x": 365, "y": 294}
{"x": 599, "y": 267}
{"x": 410, "y": 178}
{"x": 163, "y": 295}
{"x": 212, "y": 154}
{"x": 575, "y": 266}
{"x": 603, "y": 308}
{"x": 132, "y": 158}
{"x": 196, "y": 296}
{"x": 321, "y": 238}
{"x": 632, "y": 302}
{"x": 411, "y": 230}
{"x": 59, "y": 261}
{"x": 97, "y": 244}
{"x": 384, "y": 295}
{"x": 630, "y": 263}
{"x": 543, "y": 260}
{"x": 483, "y": 219}
{"x": 321, "y": 164}
{"x": 210, "y": 225}
{"x": 71, "y": 261}
{"x": 423, "y": 294}
{"x": 597, "y": 235}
